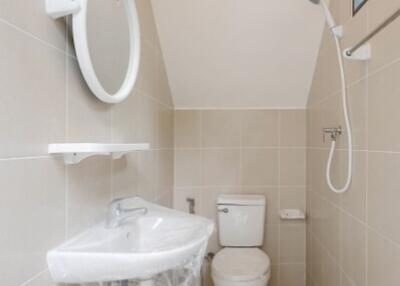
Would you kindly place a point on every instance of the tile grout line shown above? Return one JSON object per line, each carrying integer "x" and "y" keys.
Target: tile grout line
{"x": 279, "y": 196}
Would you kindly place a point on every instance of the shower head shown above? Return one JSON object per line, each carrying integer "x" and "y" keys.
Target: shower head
{"x": 328, "y": 15}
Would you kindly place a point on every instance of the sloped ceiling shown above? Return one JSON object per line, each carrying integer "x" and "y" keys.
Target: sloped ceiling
{"x": 239, "y": 53}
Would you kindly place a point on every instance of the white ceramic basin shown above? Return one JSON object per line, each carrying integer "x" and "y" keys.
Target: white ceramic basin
{"x": 147, "y": 245}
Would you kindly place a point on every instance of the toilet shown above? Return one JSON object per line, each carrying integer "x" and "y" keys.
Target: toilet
{"x": 241, "y": 262}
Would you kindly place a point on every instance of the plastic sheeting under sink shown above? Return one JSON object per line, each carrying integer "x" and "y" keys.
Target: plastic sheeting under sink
{"x": 162, "y": 244}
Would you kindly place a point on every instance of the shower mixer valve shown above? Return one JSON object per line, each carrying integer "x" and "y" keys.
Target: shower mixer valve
{"x": 333, "y": 132}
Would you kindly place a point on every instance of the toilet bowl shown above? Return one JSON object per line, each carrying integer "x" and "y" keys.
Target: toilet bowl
{"x": 241, "y": 267}
{"x": 241, "y": 220}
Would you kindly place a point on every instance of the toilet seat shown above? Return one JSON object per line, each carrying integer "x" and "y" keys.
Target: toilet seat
{"x": 241, "y": 264}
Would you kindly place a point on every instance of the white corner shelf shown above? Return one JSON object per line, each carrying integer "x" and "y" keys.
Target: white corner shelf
{"x": 76, "y": 152}
{"x": 292, "y": 214}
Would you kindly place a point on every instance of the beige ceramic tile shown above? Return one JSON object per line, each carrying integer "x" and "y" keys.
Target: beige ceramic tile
{"x": 187, "y": 129}
{"x": 89, "y": 193}
{"x": 293, "y": 128}
{"x": 383, "y": 194}
{"x": 124, "y": 176}
{"x": 260, "y": 167}
{"x": 383, "y": 115}
{"x": 355, "y": 199}
{"x": 31, "y": 17}
{"x": 165, "y": 127}
{"x": 292, "y": 275}
{"x": 32, "y": 109}
{"x": 220, "y": 128}
{"x": 163, "y": 89}
{"x": 182, "y": 194}
{"x": 188, "y": 169}
{"x": 147, "y": 174}
{"x": 386, "y": 44}
{"x": 292, "y": 167}
{"x": 260, "y": 128}
{"x": 271, "y": 242}
{"x": 147, "y": 23}
{"x": 353, "y": 246}
{"x": 292, "y": 244}
{"x": 221, "y": 167}
{"x": 147, "y": 81}
{"x": 293, "y": 198}
{"x": 383, "y": 261}
{"x": 165, "y": 170}
{"x": 89, "y": 119}
{"x": 126, "y": 120}
{"x": 32, "y": 216}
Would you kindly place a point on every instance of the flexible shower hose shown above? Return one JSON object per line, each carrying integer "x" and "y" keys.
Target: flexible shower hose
{"x": 348, "y": 129}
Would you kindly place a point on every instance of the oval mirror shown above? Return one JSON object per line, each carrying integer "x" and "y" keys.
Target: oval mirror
{"x": 107, "y": 43}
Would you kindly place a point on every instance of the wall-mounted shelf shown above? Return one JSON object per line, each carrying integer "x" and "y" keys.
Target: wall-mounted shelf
{"x": 76, "y": 152}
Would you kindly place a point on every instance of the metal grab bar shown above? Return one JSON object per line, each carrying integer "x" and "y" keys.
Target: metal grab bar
{"x": 373, "y": 33}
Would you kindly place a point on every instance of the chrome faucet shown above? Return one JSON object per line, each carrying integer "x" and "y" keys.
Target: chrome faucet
{"x": 117, "y": 214}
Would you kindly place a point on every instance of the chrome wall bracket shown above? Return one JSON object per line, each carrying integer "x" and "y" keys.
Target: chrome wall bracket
{"x": 332, "y": 132}
{"x": 363, "y": 53}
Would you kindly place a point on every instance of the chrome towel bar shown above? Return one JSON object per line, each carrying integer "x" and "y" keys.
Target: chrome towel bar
{"x": 385, "y": 23}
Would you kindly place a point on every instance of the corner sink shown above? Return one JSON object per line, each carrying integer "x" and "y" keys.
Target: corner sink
{"x": 160, "y": 240}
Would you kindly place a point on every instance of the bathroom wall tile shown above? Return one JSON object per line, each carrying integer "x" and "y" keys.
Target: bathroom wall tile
{"x": 187, "y": 129}
{"x": 27, "y": 122}
{"x": 163, "y": 89}
{"x": 274, "y": 280}
{"x": 220, "y": 128}
{"x": 124, "y": 176}
{"x": 126, "y": 120}
{"x": 353, "y": 246}
{"x": 165, "y": 127}
{"x": 292, "y": 128}
{"x": 89, "y": 119}
{"x": 183, "y": 193}
{"x": 292, "y": 244}
{"x": 147, "y": 24}
{"x": 292, "y": 167}
{"x": 292, "y": 275}
{"x": 383, "y": 194}
{"x": 165, "y": 170}
{"x": 383, "y": 261}
{"x": 271, "y": 242}
{"x": 148, "y": 128}
{"x": 260, "y": 128}
{"x": 385, "y": 45}
{"x": 260, "y": 167}
{"x": 34, "y": 194}
{"x": 147, "y": 82}
{"x": 293, "y": 198}
{"x": 31, "y": 17}
{"x": 89, "y": 193}
{"x": 357, "y": 106}
{"x": 355, "y": 29}
{"x": 354, "y": 200}
{"x": 221, "y": 167}
{"x": 383, "y": 114}
{"x": 147, "y": 174}
{"x": 188, "y": 170}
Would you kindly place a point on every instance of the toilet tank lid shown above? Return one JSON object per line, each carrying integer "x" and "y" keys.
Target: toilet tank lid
{"x": 241, "y": 200}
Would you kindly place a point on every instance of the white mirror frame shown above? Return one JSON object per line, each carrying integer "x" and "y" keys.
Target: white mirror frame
{"x": 78, "y": 10}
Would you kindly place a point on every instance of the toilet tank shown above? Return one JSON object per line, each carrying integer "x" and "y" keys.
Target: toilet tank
{"x": 241, "y": 220}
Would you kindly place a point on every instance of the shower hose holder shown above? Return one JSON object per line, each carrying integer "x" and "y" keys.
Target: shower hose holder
{"x": 333, "y": 132}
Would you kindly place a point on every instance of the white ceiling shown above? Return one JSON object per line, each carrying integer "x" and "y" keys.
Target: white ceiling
{"x": 239, "y": 53}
